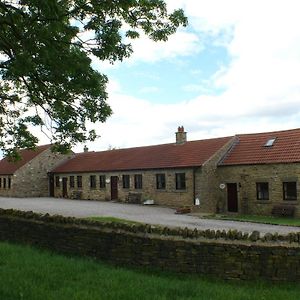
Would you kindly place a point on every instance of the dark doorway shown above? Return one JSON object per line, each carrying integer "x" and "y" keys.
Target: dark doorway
{"x": 232, "y": 197}
{"x": 51, "y": 185}
{"x": 65, "y": 187}
{"x": 114, "y": 187}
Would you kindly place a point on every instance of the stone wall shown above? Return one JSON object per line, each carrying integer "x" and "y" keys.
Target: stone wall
{"x": 31, "y": 180}
{"x": 168, "y": 196}
{"x": 246, "y": 178}
{"x": 206, "y": 182}
{"x": 228, "y": 255}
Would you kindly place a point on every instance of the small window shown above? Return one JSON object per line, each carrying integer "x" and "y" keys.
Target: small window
{"x": 160, "y": 181}
{"x": 57, "y": 182}
{"x": 4, "y": 183}
{"x": 72, "y": 182}
{"x": 9, "y": 182}
{"x": 180, "y": 181}
{"x": 138, "y": 181}
{"x": 290, "y": 190}
{"x": 262, "y": 191}
{"x": 0, "y": 182}
{"x": 79, "y": 181}
{"x": 270, "y": 142}
{"x": 92, "y": 181}
{"x": 126, "y": 181}
{"x": 102, "y": 181}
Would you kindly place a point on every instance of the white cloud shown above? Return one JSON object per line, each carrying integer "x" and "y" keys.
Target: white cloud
{"x": 261, "y": 84}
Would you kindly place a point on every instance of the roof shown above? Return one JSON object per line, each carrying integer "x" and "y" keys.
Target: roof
{"x": 8, "y": 167}
{"x": 252, "y": 148}
{"x": 189, "y": 154}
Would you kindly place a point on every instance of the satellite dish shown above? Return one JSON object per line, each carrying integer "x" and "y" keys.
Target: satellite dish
{"x": 222, "y": 186}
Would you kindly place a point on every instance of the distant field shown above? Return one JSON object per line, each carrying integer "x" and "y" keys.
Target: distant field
{"x": 27, "y": 273}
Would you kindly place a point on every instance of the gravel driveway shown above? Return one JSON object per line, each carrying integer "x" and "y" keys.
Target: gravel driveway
{"x": 140, "y": 213}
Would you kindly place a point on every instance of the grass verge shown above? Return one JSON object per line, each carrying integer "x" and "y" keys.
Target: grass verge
{"x": 258, "y": 219}
{"x": 27, "y": 273}
{"x": 112, "y": 219}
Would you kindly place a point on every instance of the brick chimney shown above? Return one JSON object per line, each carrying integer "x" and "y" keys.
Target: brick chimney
{"x": 180, "y": 136}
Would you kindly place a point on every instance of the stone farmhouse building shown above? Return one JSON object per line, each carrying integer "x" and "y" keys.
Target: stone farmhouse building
{"x": 260, "y": 172}
{"x": 173, "y": 174}
{"x": 247, "y": 174}
{"x": 29, "y": 177}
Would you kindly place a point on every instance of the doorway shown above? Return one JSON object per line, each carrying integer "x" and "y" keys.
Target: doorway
{"x": 65, "y": 187}
{"x": 51, "y": 185}
{"x": 114, "y": 187}
{"x": 232, "y": 197}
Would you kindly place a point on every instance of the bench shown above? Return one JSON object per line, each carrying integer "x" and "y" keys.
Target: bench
{"x": 283, "y": 210}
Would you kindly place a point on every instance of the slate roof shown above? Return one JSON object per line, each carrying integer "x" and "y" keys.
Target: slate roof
{"x": 190, "y": 154}
{"x": 250, "y": 148}
{"x": 8, "y": 168}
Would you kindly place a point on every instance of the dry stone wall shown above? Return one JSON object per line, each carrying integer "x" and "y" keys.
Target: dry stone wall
{"x": 229, "y": 255}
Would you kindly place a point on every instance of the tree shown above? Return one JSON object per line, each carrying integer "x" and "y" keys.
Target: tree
{"x": 46, "y": 77}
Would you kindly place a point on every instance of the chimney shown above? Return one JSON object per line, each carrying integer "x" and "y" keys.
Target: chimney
{"x": 180, "y": 136}
{"x": 85, "y": 148}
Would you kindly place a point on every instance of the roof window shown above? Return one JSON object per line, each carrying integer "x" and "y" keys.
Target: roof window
{"x": 270, "y": 142}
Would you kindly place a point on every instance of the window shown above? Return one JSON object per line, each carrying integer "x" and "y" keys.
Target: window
{"x": 180, "y": 181}
{"x": 92, "y": 181}
{"x": 160, "y": 181}
{"x": 4, "y": 183}
{"x": 270, "y": 142}
{"x": 126, "y": 181}
{"x": 102, "y": 182}
{"x": 290, "y": 190}
{"x": 79, "y": 181}
{"x": 9, "y": 182}
{"x": 0, "y": 182}
{"x": 57, "y": 183}
{"x": 138, "y": 181}
{"x": 72, "y": 183}
{"x": 262, "y": 191}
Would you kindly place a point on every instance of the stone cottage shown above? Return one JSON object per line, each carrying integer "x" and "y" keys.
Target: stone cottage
{"x": 260, "y": 172}
{"x": 28, "y": 177}
{"x": 176, "y": 174}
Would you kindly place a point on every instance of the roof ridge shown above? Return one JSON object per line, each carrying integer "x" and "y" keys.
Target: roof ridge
{"x": 267, "y": 132}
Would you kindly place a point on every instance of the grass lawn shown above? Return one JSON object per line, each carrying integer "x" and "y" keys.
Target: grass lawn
{"x": 260, "y": 219}
{"x": 27, "y": 273}
{"x": 112, "y": 219}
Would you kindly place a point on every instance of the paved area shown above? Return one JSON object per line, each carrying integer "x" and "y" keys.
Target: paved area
{"x": 140, "y": 213}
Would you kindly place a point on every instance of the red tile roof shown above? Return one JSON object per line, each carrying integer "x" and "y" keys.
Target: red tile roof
{"x": 250, "y": 148}
{"x": 190, "y": 154}
{"x": 7, "y": 167}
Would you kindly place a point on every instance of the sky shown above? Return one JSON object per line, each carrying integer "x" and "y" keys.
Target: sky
{"x": 234, "y": 69}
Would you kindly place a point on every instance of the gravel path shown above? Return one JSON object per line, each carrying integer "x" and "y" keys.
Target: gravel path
{"x": 140, "y": 213}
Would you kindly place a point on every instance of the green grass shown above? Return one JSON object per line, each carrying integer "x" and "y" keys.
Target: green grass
{"x": 27, "y": 273}
{"x": 112, "y": 219}
{"x": 260, "y": 219}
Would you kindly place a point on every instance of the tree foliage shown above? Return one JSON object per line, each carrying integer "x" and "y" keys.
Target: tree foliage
{"x": 46, "y": 77}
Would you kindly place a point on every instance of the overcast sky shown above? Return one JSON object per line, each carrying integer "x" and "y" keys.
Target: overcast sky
{"x": 234, "y": 69}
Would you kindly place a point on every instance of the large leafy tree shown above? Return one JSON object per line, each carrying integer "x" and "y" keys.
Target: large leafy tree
{"x": 46, "y": 77}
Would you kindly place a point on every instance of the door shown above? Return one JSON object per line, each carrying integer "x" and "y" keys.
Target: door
{"x": 232, "y": 197}
{"x": 65, "y": 187}
{"x": 114, "y": 187}
{"x": 51, "y": 185}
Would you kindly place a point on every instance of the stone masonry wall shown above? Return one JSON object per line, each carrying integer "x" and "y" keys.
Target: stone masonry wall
{"x": 31, "y": 180}
{"x": 206, "y": 182}
{"x": 246, "y": 178}
{"x": 229, "y": 255}
{"x": 168, "y": 196}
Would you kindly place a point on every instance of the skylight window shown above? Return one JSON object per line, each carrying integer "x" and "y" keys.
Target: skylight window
{"x": 270, "y": 142}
